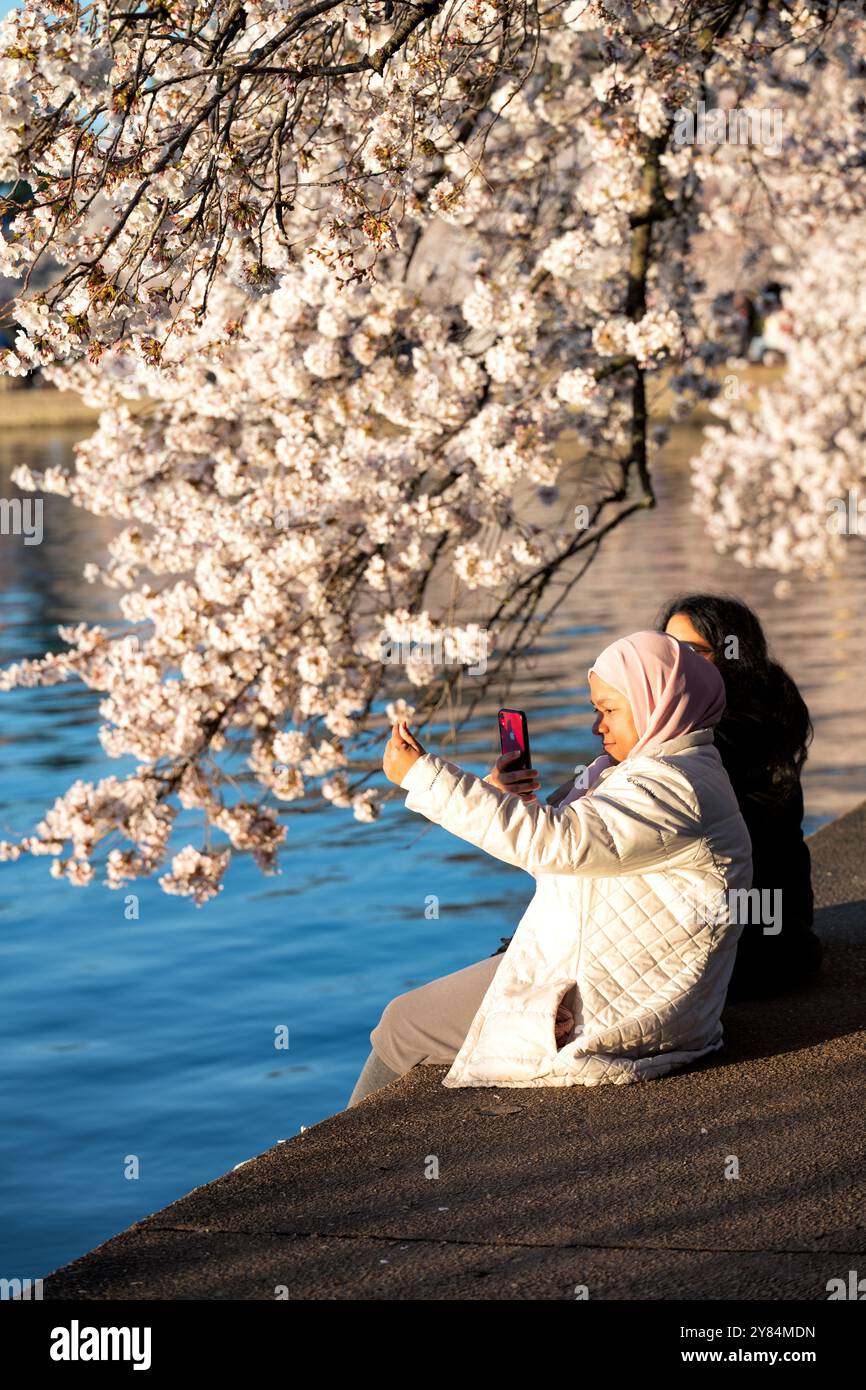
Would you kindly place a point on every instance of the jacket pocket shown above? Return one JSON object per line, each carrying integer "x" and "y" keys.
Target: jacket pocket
{"x": 519, "y": 1029}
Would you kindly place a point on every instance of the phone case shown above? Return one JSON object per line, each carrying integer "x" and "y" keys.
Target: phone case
{"x": 514, "y": 733}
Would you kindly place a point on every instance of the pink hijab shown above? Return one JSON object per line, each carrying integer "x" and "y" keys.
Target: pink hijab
{"x": 670, "y": 688}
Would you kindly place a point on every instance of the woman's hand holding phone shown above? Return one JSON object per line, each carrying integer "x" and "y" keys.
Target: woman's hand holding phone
{"x": 403, "y": 749}
{"x": 523, "y": 783}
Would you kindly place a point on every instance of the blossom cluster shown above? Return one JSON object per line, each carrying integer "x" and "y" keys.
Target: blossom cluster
{"x": 335, "y": 330}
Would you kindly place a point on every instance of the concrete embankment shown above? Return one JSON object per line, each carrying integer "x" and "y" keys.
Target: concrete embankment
{"x": 46, "y": 408}
{"x": 618, "y": 1188}
{"x": 42, "y": 408}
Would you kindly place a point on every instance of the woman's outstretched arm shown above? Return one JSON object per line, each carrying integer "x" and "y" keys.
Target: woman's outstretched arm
{"x": 617, "y": 830}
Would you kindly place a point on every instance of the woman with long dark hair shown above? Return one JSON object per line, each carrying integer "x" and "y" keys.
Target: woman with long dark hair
{"x": 763, "y": 739}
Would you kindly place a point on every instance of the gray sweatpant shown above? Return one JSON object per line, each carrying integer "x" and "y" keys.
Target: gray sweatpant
{"x": 428, "y": 1025}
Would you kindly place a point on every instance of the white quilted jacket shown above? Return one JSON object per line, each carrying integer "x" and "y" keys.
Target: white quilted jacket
{"x": 615, "y": 929}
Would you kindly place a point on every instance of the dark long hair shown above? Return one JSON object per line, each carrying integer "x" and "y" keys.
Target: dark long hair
{"x": 764, "y": 734}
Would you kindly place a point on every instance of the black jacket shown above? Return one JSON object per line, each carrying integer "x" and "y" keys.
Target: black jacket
{"x": 770, "y": 963}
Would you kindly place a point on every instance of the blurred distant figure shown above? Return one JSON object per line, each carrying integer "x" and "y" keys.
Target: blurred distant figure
{"x": 775, "y": 326}
{"x": 745, "y": 321}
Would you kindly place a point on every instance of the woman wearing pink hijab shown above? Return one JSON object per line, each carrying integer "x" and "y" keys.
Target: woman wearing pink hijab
{"x": 618, "y": 969}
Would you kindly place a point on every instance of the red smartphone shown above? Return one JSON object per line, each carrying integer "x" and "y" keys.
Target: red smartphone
{"x": 514, "y": 735}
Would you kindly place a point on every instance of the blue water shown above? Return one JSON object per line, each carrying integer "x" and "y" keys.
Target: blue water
{"x": 153, "y": 1039}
